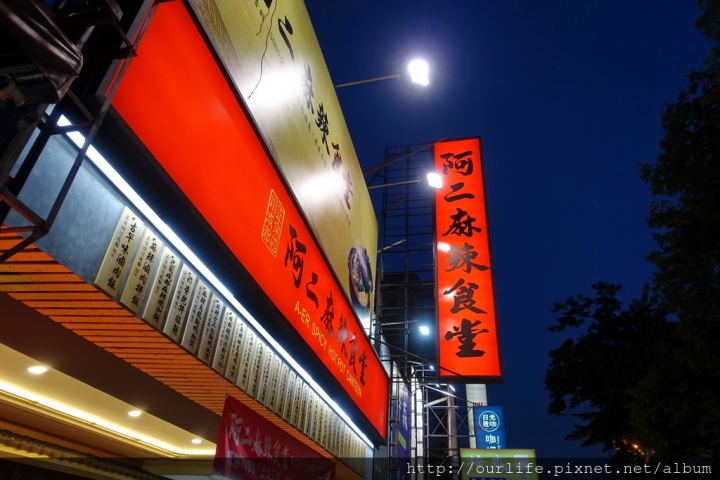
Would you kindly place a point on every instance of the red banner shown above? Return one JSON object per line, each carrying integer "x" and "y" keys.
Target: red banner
{"x": 467, "y": 332}
{"x": 249, "y": 447}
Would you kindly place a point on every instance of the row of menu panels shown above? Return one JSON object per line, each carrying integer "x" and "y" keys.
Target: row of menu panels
{"x": 148, "y": 278}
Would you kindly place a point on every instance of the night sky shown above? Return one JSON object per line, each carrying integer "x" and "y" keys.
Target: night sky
{"x": 567, "y": 97}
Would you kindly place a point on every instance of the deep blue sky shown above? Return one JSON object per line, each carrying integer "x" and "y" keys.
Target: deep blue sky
{"x": 566, "y": 96}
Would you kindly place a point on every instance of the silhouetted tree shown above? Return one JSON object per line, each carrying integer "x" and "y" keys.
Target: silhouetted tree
{"x": 685, "y": 217}
{"x": 635, "y": 377}
{"x": 592, "y": 377}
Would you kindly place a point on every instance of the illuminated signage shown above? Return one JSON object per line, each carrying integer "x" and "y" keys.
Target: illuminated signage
{"x": 275, "y": 61}
{"x": 489, "y": 427}
{"x": 207, "y": 145}
{"x": 508, "y": 464}
{"x": 467, "y": 330}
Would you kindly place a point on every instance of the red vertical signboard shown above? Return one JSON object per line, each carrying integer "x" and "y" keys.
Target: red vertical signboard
{"x": 467, "y": 331}
{"x": 250, "y": 447}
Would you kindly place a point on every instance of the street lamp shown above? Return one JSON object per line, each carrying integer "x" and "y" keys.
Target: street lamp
{"x": 433, "y": 179}
{"x": 418, "y": 69}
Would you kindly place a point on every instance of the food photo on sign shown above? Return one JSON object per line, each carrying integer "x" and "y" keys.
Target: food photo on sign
{"x": 361, "y": 283}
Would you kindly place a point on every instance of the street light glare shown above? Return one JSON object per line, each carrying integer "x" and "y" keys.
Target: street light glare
{"x": 424, "y": 329}
{"x": 419, "y": 71}
{"x": 434, "y": 180}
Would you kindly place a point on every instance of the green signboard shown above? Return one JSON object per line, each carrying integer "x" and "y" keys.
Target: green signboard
{"x": 505, "y": 464}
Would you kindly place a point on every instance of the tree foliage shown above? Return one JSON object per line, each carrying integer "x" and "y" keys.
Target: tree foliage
{"x": 660, "y": 389}
{"x": 686, "y": 184}
{"x": 592, "y": 377}
{"x": 685, "y": 217}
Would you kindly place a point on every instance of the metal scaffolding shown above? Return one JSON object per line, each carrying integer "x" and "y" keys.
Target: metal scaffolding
{"x": 96, "y": 28}
{"x": 406, "y": 300}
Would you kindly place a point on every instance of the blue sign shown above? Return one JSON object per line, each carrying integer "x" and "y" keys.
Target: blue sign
{"x": 489, "y": 427}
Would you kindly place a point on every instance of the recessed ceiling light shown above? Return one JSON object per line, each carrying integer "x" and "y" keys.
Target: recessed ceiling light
{"x": 37, "y": 370}
{"x": 196, "y": 441}
{"x": 135, "y": 413}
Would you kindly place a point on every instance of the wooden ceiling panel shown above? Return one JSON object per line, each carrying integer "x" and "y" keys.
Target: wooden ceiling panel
{"x": 43, "y": 284}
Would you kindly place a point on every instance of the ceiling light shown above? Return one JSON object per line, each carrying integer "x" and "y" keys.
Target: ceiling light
{"x": 37, "y": 370}
{"x": 196, "y": 441}
{"x": 135, "y": 413}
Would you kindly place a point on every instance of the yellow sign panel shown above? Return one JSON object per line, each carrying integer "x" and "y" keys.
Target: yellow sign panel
{"x": 273, "y": 57}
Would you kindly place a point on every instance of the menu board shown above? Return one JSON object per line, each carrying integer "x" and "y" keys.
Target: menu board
{"x": 272, "y": 395}
{"x": 222, "y": 348}
{"x": 265, "y": 376}
{"x": 157, "y": 303}
{"x": 281, "y": 394}
{"x": 245, "y": 366}
{"x": 136, "y": 285}
{"x": 256, "y": 368}
{"x": 236, "y": 347}
{"x": 212, "y": 327}
{"x": 196, "y": 317}
{"x": 179, "y": 306}
{"x": 117, "y": 256}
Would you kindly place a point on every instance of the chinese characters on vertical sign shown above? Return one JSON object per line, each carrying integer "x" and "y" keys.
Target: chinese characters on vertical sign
{"x": 118, "y": 255}
{"x": 141, "y": 270}
{"x": 468, "y": 342}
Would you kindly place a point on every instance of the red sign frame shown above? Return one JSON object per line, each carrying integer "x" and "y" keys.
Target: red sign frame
{"x": 468, "y": 346}
{"x": 202, "y": 137}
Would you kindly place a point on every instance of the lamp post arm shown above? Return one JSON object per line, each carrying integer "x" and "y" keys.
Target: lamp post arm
{"x": 376, "y": 79}
{"x": 393, "y": 160}
{"x": 418, "y": 357}
{"x": 370, "y": 187}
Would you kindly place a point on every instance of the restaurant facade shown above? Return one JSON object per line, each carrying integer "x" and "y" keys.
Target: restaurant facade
{"x": 215, "y": 241}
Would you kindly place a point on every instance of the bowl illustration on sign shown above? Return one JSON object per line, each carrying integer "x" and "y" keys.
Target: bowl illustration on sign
{"x": 360, "y": 278}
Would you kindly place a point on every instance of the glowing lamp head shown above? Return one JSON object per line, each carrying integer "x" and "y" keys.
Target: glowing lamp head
{"x": 424, "y": 329}
{"x": 434, "y": 180}
{"x": 419, "y": 71}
